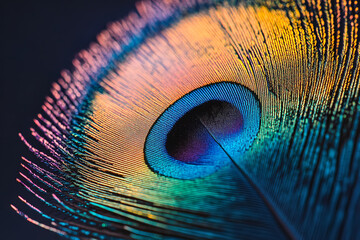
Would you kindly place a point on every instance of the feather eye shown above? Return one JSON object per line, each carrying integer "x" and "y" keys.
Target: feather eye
{"x": 202, "y": 131}
{"x": 205, "y": 120}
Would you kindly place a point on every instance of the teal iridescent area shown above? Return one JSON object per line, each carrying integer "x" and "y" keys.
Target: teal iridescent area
{"x": 209, "y": 136}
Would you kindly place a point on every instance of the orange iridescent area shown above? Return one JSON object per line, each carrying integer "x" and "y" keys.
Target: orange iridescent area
{"x": 193, "y": 53}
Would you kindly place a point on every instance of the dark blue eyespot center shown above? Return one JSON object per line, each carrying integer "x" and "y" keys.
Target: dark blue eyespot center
{"x": 189, "y": 140}
{"x": 195, "y": 136}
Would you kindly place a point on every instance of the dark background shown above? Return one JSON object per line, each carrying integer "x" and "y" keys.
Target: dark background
{"x": 38, "y": 40}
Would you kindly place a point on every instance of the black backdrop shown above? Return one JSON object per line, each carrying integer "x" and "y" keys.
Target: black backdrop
{"x": 38, "y": 40}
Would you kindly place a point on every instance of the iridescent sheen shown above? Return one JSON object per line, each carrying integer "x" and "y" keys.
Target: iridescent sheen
{"x": 284, "y": 163}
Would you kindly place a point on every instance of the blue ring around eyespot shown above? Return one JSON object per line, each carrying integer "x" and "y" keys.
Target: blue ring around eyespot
{"x": 156, "y": 155}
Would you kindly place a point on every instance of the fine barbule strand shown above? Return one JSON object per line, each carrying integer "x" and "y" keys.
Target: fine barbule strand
{"x": 288, "y": 167}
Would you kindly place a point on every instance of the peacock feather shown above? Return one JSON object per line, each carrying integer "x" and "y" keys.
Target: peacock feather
{"x": 205, "y": 119}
